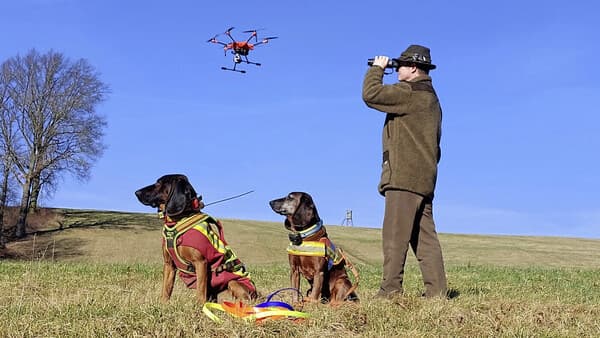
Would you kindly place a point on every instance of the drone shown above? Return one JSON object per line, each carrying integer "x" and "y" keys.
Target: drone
{"x": 240, "y": 49}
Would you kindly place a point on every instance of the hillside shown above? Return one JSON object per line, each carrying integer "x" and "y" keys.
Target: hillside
{"x": 119, "y": 237}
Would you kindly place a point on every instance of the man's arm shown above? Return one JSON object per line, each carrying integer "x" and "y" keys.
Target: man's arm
{"x": 385, "y": 98}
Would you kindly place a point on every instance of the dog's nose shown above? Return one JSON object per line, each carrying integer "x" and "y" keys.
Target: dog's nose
{"x": 275, "y": 205}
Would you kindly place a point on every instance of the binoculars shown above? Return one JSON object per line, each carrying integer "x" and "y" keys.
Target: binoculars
{"x": 392, "y": 63}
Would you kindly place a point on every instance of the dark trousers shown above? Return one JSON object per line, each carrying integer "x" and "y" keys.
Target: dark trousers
{"x": 408, "y": 220}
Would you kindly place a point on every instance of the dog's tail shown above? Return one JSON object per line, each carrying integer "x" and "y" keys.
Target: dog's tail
{"x": 354, "y": 272}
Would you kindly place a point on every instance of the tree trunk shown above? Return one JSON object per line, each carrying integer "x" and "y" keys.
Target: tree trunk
{"x": 23, "y": 209}
{"x": 3, "y": 198}
{"x": 35, "y": 193}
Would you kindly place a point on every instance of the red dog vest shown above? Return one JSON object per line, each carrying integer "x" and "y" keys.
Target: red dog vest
{"x": 198, "y": 231}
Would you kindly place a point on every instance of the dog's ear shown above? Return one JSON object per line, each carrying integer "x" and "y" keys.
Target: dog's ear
{"x": 306, "y": 212}
{"x": 181, "y": 196}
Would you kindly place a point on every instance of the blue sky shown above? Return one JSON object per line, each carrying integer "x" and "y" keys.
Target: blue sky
{"x": 517, "y": 81}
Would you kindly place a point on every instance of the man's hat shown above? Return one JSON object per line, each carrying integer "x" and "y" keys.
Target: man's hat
{"x": 418, "y": 55}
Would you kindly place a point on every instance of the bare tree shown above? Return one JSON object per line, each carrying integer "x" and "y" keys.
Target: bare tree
{"x": 6, "y": 194}
{"x": 5, "y": 164}
{"x": 3, "y": 196}
{"x": 54, "y": 104}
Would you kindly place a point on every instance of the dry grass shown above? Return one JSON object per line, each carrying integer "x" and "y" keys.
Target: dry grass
{"x": 89, "y": 300}
{"x": 101, "y": 275}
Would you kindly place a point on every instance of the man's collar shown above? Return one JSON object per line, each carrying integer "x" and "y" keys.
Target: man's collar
{"x": 421, "y": 78}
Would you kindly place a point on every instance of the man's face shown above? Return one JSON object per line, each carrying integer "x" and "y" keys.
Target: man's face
{"x": 405, "y": 72}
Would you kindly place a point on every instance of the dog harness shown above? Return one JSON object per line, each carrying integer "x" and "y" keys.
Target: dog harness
{"x": 321, "y": 248}
{"x": 205, "y": 234}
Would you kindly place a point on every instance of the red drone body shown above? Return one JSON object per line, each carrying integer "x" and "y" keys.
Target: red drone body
{"x": 240, "y": 49}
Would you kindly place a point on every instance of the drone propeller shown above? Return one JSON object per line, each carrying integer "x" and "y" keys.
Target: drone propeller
{"x": 228, "y": 33}
{"x": 254, "y": 30}
{"x": 253, "y": 35}
{"x": 214, "y": 40}
{"x": 265, "y": 40}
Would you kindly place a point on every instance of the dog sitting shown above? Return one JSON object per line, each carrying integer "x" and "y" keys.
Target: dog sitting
{"x": 311, "y": 253}
{"x": 193, "y": 244}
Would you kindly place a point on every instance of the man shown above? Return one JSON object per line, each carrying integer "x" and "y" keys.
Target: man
{"x": 411, "y": 152}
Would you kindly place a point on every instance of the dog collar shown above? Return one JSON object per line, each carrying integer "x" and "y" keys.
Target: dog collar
{"x": 312, "y": 230}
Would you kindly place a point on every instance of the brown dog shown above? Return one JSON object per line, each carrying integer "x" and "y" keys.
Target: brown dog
{"x": 311, "y": 253}
{"x": 193, "y": 243}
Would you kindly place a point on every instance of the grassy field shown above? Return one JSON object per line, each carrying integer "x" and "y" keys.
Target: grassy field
{"x": 92, "y": 273}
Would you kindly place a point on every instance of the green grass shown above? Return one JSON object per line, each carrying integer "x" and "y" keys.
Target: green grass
{"x": 101, "y": 276}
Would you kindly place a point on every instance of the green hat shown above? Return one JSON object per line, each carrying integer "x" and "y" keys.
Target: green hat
{"x": 416, "y": 54}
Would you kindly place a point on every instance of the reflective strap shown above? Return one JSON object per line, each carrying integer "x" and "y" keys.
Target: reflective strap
{"x": 169, "y": 236}
{"x": 201, "y": 222}
{"x": 232, "y": 263}
{"x": 308, "y": 248}
{"x": 323, "y": 248}
{"x": 231, "y": 266}
{"x": 316, "y": 248}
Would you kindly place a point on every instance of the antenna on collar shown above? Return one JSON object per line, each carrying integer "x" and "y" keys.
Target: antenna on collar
{"x": 229, "y": 198}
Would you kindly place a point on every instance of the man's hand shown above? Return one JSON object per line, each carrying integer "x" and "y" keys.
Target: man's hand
{"x": 381, "y": 61}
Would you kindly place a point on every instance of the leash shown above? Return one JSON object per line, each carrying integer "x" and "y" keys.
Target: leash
{"x": 354, "y": 272}
{"x": 229, "y": 198}
{"x": 269, "y": 309}
{"x": 198, "y": 198}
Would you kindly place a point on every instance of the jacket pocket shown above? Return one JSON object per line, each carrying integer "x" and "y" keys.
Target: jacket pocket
{"x": 386, "y": 172}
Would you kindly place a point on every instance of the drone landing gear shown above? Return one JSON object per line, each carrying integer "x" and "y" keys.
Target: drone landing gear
{"x": 237, "y": 59}
{"x": 234, "y": 70}
{"x": 249, "y": 62}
